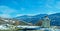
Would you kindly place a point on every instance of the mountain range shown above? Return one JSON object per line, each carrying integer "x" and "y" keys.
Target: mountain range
{"x": 55, "y": 18}
{"x": 31, "y": 19}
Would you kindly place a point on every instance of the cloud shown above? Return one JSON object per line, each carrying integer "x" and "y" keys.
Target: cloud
{"x": 32, "y": 14}
{"x": 51, "y": 13}
{"x": 27, "y": 14}
{"x": 20, "y": 15}
{"x": 57, "y": 5}
{"x": 14, "y": 2}
{"x": 53, "y": 4}
{"x": 48, "y": 6}
{"x": 6, "y": 11}
{"x": 22, "y": 9}
{"x": 5, "y": 16}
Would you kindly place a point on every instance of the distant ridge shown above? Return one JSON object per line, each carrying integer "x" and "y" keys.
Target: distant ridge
{"x": 55, "y": 18}
{"x": 32, "y": 19}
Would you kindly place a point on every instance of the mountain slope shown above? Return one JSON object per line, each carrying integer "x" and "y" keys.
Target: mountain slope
{"x": 31, "y": 19}
{"x": 55, "y": 19}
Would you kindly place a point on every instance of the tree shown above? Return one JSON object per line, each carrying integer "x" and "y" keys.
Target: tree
{"x": 39, "y": 23}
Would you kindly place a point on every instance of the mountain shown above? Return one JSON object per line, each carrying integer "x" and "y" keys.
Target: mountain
{"x": 55, "y": 19}
{"x": 11, "y": 21}
{"x": 31, "y": 19}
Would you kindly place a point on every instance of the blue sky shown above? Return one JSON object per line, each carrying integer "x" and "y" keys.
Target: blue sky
{"x": 13, "y": 8}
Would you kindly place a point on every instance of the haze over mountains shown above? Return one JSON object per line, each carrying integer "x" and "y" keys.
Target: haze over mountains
{"x": 55, "y": 18}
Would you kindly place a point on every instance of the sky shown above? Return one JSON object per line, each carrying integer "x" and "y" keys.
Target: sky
{"x": 13, "y": 8}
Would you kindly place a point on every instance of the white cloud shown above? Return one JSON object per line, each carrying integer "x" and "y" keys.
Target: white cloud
{"x": 5, "y": 16}
{"x": 14, "y": 2}
{"x": 27, "y": 14}
{"x": 51, "y": 13}
{"x": 53, "y": 4}
{"x": 22, "y": 9}
{"x": 19, "y": 15}
{"x": 48, "y": 6}
{"x": 6, "y": 11}
{"x": 57, "y": 5}
{"x": 31, "y": 14}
